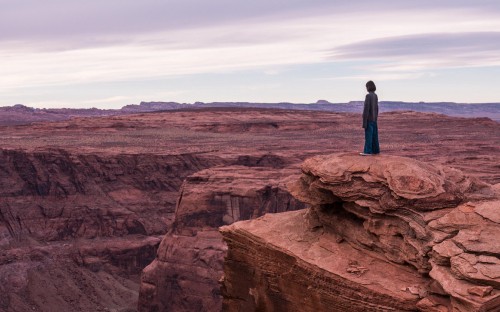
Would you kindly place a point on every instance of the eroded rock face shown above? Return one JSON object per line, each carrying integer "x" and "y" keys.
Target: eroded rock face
{"x": 80, "y": 228}
{"x": 185, "y": 274}
{"x": 382, "y": 233}
{"x": 55, "y": 195}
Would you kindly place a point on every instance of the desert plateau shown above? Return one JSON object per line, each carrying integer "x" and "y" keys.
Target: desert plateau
{"x": 122, "y": 213}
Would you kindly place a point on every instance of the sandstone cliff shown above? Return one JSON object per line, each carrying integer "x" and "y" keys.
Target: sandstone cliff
{"x": 383, "y": 233}
{"x": 185, "y": 274}
{"x": 77, "y": 229}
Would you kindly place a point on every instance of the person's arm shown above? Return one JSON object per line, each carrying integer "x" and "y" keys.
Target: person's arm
{"x": 366, "y": 111}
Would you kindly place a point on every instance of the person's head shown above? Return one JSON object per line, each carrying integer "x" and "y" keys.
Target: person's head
{"x": 370, "y": 86}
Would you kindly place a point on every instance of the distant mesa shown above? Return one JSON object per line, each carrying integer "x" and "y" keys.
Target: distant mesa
{"x": 21, "y": 108}
{"x": 152, "y": 106}
{"x": 19, "y": 114}
{"x": 322, "y": 102}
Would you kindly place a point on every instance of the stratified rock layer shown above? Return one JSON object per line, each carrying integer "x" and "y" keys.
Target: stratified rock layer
{"x": 383, "y": 233}
{"x": 186, "y": 272}
{"x": 77, "y": 229}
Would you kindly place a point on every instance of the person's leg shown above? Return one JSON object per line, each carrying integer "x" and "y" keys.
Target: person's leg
{"x": 368, "y": 138}
{"x": 375, "y": 146}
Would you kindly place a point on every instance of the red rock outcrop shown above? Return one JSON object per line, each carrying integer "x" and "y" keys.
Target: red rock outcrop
{"x": 383, "y": 233}
{"x": 185, "y": 274}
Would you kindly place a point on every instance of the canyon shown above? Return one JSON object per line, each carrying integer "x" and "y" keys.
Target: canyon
{"x": 121, "y": 213}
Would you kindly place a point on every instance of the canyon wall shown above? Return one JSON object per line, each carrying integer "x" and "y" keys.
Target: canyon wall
{"x": 56, "y": 195}
{"x": 383, "y": 233}
{"x": 186, "y": 272}
{"x": 79, "y": 228}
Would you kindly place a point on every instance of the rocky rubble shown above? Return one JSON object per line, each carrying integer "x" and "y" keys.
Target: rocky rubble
{"x": 185, "y": 274}
{"x": 383, "y": 233}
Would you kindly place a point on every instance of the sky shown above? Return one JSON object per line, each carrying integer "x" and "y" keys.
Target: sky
{"x": 110, "y": 53}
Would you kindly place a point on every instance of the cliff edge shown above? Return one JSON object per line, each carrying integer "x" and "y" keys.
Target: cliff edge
{"x": 185, "y": 274}
{"x": 383, "y": 233}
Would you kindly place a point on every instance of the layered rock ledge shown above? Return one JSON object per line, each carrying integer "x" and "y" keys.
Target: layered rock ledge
{"x": 383, "y": 233}
{"x": 186, "y": 272}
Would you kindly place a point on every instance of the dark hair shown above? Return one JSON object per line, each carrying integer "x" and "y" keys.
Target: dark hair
{"x": 370, "y": 86}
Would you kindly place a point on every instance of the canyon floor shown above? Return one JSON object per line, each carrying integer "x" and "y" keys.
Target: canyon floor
{"x": 85, "y": 202}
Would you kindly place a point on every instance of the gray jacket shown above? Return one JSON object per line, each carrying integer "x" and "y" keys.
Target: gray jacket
{"x": 370, "y": 111}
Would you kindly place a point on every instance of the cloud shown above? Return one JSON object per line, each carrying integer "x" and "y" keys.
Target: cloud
{"x": 448, "y": 44}
{"x": 64, "y": 43}
{"x": 98, "y": 22}
{"x": 122, "y": 62}
{"x": 257, "y": 45}
{"x": 430, "y": 50}
{"x": 70, "y": 24}
{"x": 381, "y": 76}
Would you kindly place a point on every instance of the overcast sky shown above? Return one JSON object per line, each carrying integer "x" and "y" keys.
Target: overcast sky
{"x": 109, "y": 53}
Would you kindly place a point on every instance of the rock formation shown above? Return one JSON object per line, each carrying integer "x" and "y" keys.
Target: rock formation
{"x": 383, "y": 233}
{"x": 79, "y": 228}
{"x": 56, "y": 195}
{"x": 85, "y": 202}
{"x": 185, "y": 274}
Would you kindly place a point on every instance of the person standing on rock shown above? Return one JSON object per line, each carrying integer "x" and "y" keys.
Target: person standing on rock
{"x": 370, "y": 115}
